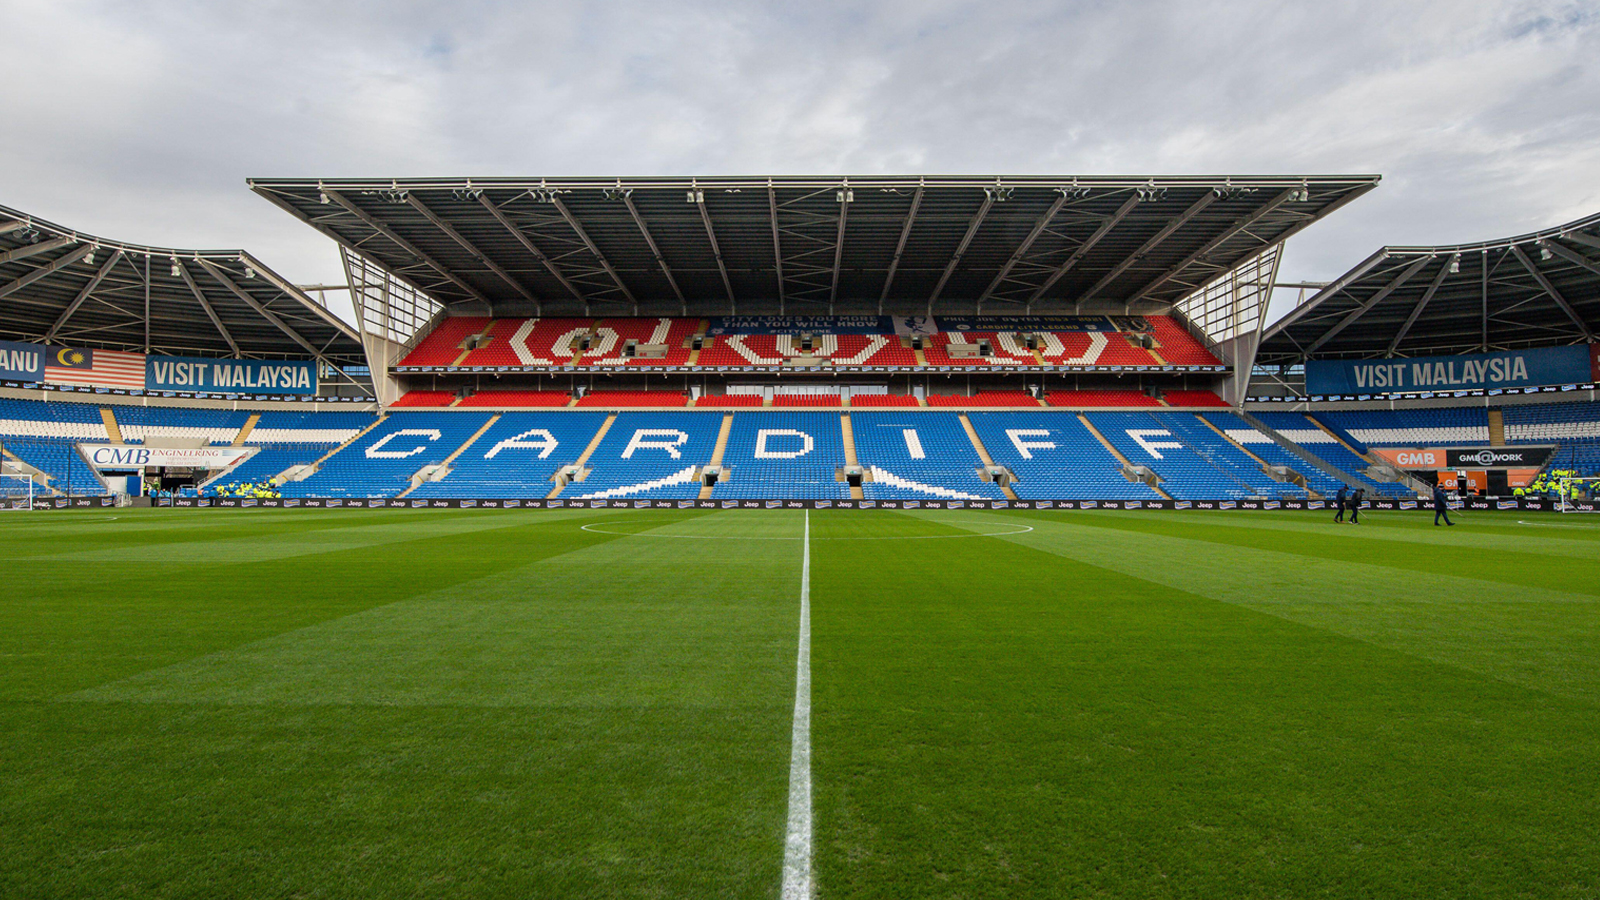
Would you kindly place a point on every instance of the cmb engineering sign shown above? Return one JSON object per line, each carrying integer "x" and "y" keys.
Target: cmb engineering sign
{"x": 1477, "y": 371}
{"x": 116, "y": 456}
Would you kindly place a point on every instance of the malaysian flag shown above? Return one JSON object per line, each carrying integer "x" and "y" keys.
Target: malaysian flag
{"x": 99, "y": 368}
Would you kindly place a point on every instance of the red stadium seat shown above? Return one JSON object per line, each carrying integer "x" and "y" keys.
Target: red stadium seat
{"x": 426, "y": 398}
{"x": 519, "y": 399}
{"x": 1193, "y": 398}
{"x": 634, "y": 398}
{"x": 442, "y": 345}
{"x": 1083, "y": 399}
{"x": 875, "y": 400}
{"x": 715, "y": 401}
{"x": 984, "y": 398}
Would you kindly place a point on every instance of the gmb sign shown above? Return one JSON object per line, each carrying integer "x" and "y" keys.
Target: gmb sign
{"x": 115, "y": 456}
{"x": 1496, "y": 457}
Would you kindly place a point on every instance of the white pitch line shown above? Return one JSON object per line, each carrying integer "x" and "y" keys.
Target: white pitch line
{"x": 799, "y": 882}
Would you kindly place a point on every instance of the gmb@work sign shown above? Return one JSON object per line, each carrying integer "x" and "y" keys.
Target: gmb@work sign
{"x": 1514, "y": 368}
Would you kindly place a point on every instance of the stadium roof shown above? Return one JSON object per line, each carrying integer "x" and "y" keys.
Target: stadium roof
{"x": 1536, "y": 289}
{"x": 61, "y": 286}
{"x": 806, "y": 245}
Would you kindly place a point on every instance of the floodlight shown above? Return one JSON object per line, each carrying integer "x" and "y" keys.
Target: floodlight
{"x": 1544, "y": 252}
{"x": 176, "y": 271}
{"x": 88, "y": 258}
{"x": 1455, "y": 265}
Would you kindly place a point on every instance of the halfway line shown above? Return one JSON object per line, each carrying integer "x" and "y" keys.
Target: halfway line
{"x": 798, "y": 880}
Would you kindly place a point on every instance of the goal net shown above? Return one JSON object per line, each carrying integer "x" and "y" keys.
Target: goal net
{"x": 1577, "y": 495}
{"x": 16, "y": 491}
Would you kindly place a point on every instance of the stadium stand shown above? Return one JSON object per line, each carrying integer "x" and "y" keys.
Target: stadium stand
{"x": 425, "y": 398}
{"x": 1573, "y": 427}
{"x": 790, "y": 455}
{"x": 1175, "y": 345}
{"x": 1054, "y": 457}
{"x": 984, "y": 398}
{"x": 518, "y": 399}
{"x": 528, "y": 342}
{"x": 727, "y": 401}
{"x": 650, "y": 455}
{"x": 1225, "y": 456}
{"x": 1303, "y": 432}
{"x": 872, "y": 400}
{"x": 618, "y": 399}
{"x": 517, "y": 456}
{"x": 1271, "y": 452}
{"x": 1089, "y": 399}
{"x": 1191, "y": 466}
{"x": 918, "y": 456}
{"x": 442, "y": 345}
{"x": 1438, "y": 427}
{"x": 1193, "y": 399}
{"x": 382, "y": 462}
{"x": 215, "y": 426}
{"x": 791, "y": 400}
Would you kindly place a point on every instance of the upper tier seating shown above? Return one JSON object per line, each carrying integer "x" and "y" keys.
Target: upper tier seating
{"x": 773, "y": 349}
{"x": 650, "y": 455}
{"x": 382, "y": 462}
{"x": 725, "y": 401}
{"x": 442, "y": 345}
{"x": 51, "y": 421}
{"x": 876, "y": 400}
{"x": 1175, "y": 345}
{"x": 1193, "y": 398}
{"x": 426, "y": 398}
{"x": 984, "y": 398}
{"x": 518, "y": 399}
{"x": 1087, "y": 399}
{"x": 791, "y": 400}
{"x": 789, "y": 455}
{"x": 326, "y": 428}
{"x": 1440, "y": 427}
{"x": 919, "y": 456}
{"x": 617, "y": 399}
{"x": 517, "y": 456}
{"x": 1054, "y": 457}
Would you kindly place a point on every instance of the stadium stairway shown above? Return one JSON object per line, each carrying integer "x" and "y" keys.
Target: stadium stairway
{"x": 983, "y": 453}
{"x": 245, "y": 429}
{"x": 717, "y": 452}
{"x": 441, "y": 469}
{"x": 1497, "y": 428}
{"x": 1290, "y": 475}
{"x": 562, "y": 479}
{"x": 1152, "y": 481}
{"x": 112, "y": 430}
{"x": 314, "y": 465}
{"x": 850, "y": 452}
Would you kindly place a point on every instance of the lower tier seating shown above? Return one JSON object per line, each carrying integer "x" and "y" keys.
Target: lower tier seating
{"x": 918, "y": 456}
{"x": 1054, "y": 457}
{"x": 382, "y": 462}
{"x": 517, "y": 456}
{"x": 650, "y": 455}
{"x": 789, "y": 455}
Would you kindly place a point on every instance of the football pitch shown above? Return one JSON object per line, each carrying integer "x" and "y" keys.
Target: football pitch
{"x": 603, "y": 703}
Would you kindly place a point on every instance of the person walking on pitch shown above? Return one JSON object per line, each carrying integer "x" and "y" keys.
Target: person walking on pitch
{"x": 1441, "y": 505}
{"x": 1355, "y": 505}
{"x": 1338, "y": 501}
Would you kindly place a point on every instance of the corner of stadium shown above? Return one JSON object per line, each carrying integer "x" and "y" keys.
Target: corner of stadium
{"x": 800, "y": 537}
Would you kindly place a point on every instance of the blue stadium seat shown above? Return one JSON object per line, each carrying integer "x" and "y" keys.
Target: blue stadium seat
{"x": 1054, "y": 457}
{"x": 516, "y": 456}
{"x": 918, "y": 456}
{"x": 650, "y": 455}
{"x": 382, "y": 462}
{"x": 784, "y": 455}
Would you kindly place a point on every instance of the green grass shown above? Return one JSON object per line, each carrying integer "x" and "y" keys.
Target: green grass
{"x": 477, "y": 703}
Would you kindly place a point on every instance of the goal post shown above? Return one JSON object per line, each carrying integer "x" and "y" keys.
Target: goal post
{"x": 17, "y": 491}
{"x": 1576, "y": 494}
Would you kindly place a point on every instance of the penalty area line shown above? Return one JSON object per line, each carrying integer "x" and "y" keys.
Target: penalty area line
{"x": 798, "y": 881}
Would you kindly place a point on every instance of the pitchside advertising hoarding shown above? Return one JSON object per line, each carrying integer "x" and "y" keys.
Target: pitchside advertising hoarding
{"x": 37, "y": 363}
{"x": 1467, "y": 457}
{"x": 1477, "y": 371}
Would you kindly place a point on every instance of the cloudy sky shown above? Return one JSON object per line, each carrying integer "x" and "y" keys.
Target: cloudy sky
{"x": 141, "y": 121}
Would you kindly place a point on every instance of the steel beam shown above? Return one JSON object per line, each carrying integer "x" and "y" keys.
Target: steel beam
{"x": 468, "y": 246}
{"x": 1579, "y": 237}
{"x": 838, "y": 248}
{"x": 11, "y": 225}
{"x": 1422, "y": 303}
{"x": 777, "y": 245}
{"x": 528, "y": 244}
{"x": 1155, "y": 240}
{"x": 27, "y": 250}
{"x": 1022, "y": 250}
{"x": 44, "y": 271}
{"x": 1084, "y": 248}
{"x": 83, "y": 295}
{"x": 711, "y": 235}
{"x": 299, "y": 294}
{"x": 655, "y": 251}
{"x": 407, "y": 246}
{"x": 1548, "y": 289}
{"x": 961, "y": 248}
{"x": 900, "y": 248}
{"x": 1574, "y": 257}
{"x": 587, "y": 242}
{"x": 269, "y": 315}
{"x": 1233, "y": 230}
{"x": 1374, "y": 300}
{"x": 1317, "y": 299}
{"x": 206, "y": 305}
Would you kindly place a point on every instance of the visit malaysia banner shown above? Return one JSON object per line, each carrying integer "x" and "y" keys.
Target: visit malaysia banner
{"x": 21, "y": 362}
{"x": 116, "y": 456}
{"x": 230, "y": 376}
{"x": 1476, "y": 371}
